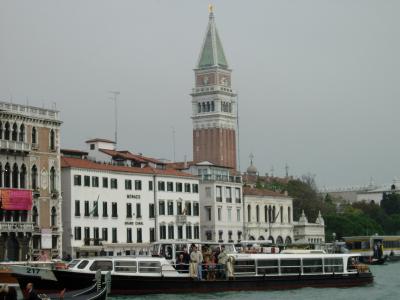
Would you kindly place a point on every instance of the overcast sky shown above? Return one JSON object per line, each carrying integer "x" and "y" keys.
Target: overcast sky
{"x": 318, "y": 81}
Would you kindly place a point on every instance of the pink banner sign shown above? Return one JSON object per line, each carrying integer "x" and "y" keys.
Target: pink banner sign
{"x": 15, "y": 199}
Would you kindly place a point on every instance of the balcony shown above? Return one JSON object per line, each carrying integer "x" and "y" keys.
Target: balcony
{"x": 16, "y": 226}
{"x": 92, "y": 242}
{"x": 223, "y": 178}
{"x": 15, "y": 146}
{"x": 181, "y": 219}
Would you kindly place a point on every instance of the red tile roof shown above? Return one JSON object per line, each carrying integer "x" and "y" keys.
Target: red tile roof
{"x": 70, "y": 162}
{"x": 73, "y": 151}
{"x": 130, "y": 156}
{"x": 261, "y": 192}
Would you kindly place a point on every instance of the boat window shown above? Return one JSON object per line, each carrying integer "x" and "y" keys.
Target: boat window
{"x": 244, "y": 266}
{"x": 333, "y": 265}
{"x": 103, "y": 265}
{"x": 149, "y": 267}
{"x": 73, "y": 263}
{"x": 83, "y": 264}
{"x": 312, "y": 265}
{"x": 125, "y": 266}
{"x": 267, "y": 266}
{"x": 290, "y": 266}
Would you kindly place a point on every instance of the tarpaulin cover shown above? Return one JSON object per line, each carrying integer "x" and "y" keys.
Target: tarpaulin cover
{"x": 16, "y": 199}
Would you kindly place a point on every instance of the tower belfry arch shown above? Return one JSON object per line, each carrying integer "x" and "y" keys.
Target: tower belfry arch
{"x": 214, "y": 110}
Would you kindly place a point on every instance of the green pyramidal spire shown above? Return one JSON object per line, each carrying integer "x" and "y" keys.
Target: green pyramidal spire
{"x": 212, "y": 53}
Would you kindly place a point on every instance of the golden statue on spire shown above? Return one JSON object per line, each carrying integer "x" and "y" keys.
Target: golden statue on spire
{"x": 210, "y": 8}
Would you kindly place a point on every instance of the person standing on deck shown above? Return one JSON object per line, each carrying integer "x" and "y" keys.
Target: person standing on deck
{"x": 222, "y": 260}
{"x": 196, "y": 260}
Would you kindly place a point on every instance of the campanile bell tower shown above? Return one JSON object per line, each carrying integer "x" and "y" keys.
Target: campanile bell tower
{"x": 213, "y": 103}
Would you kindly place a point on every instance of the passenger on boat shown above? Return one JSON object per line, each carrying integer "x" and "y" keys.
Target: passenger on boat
{"x": 181, "y": 265}
{"x": 8, "y": 293}
{"x": 210, "y": 267}
{"x": 196, "y": 259}
{"x": 30, "y": 293}
{"x": 222, "y": 260}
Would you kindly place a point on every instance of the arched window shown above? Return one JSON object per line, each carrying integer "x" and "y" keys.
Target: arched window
{"x": 266, "y": 214}
{"x": 22, "y": 133}
{"x": 281, "y": 213}
{"x": 279, "y": 240}
{"x": 251, "y": 238}
{"x": 22, "y": 177}
{"x": 1, "y": 175}
{"x": 198, "y": 107}
{"x": 52, "y": 179}
{"x": 24, "y": 215}
{"x": 271, "y": 238}
{"x": 288, "y": 240}
{"x": 15, "y": 132}
{"x": 270, "y": 214}
{"x": 261, "y": 238}
{"x": 1, "y": 130}
{"x": 34, "y": 174}
{"x": 7, "y": 131}
{"x": 7, "y": 175}
{"x": 34, "y": 135}
{"x": 208, "y": 106}
{"x": 204, "y": 107}
{"x": 273, "y": 215}
{"x": 15, "y": 175}
{"x": 248, "y": 213}
{"x": 16, "y": 216}
{"x": 52, "y": 140}
{"x": 35, "y": 215}
{"x": 289, "y": 215}
{"x": 53, "y": 216}
{"x": 212, "y": 106}
{"x": 258, "y": 214}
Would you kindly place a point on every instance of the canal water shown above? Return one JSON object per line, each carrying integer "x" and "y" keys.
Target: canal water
{"x": 386, "y": 286}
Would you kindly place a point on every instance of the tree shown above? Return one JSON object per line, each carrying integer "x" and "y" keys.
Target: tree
{"x": 391, "y": 203}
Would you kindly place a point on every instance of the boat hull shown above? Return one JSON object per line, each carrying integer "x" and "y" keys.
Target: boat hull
{"x": 140, "y": 285}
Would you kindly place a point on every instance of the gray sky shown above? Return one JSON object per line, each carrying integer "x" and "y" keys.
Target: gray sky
{"x": 318, "y": 81}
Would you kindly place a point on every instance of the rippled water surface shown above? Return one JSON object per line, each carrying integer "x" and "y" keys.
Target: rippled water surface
{"x": 386, "y": 286}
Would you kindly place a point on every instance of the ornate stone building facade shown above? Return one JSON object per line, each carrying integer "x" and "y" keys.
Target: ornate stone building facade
{"x": 29, "y": 182}
{"x": 213, "y": 104}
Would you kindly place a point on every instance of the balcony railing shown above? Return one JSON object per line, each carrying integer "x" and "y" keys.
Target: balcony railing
{"x": 15, "y": 146}
{"x": 224, "y": 178}
{"x": 181, "y": 219}
{"x": 16, "y": 226}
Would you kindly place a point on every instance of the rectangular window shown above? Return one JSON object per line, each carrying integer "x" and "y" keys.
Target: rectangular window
{"x": 151, "y": 210}
{"x": 187, "y": 187}
{"x": 170, "y": 186}
{"x": 77, "y": 180}
{"x": 188, "y": 231}
{"x": 163, "y": 232}
{"x": 170, "y": 208}
{"x": 238, "y": 214}
{"x": 114, "y": 235}
{"x": 138, "y": 210}
{"x": 312, "y": 265}
{"x": 150, "y": 185}
{"x": 128, "y": 184}
{"x": 77, "y": 208}
{"x": 77, "y": 233}
{"x": 86, "y": 180}
{"x": 228, "y": 195}
{"x": 114, "y": 183}
{"x": 139, "y": 235}
{"x": 178, "y": 187}
{"x": 171, "y": 232}
{"x": 86, "y": 214}
{"x": 150, "y": 267}
{"x": 290, "y": 266}
{"x": 229, "y": 214}
{"x": 95, "y": 210}
{"x": 129, "y": 235}
{"x": 219, "y": 194}
{"x": 105, "y": 182}
{"x": 333, "y": 265}
{"x": 268, "y": 267}
{"x": 87, "y": 234}
{"x": 188, "y": 208}
{"x": 138, "y": 185}
{"x": 179, "y": 208}
{"x": 196, "y": 208}
{"x": 161, "y": 186}
{"x": 219, "y": 213}
{"x": 195, "y": 188}
{"x": 237, "y": 195}
{"x": 104, "y": 234}
{"x": 129, "y": 210}
{"x": 196, "y": 229}
{"x": 161, "y": 208}
{"x": 114, "y": 210}
{"x": 180, "y": 232}
{"x": 152, "y": 235}
{"x": 105, "y": 212}
{"x": 96, "y": 235}
{"x": 208, "y": 213}
{"x": 95, "y": 181}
